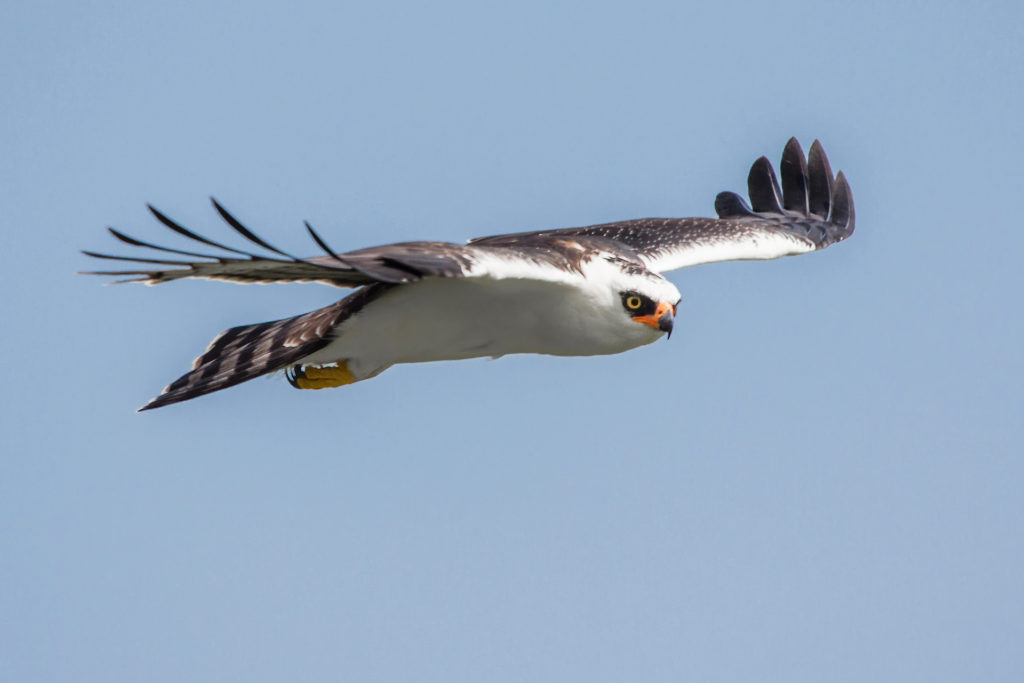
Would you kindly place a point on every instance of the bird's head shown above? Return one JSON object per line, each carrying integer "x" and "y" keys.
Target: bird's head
{"x": 646, "y": 300}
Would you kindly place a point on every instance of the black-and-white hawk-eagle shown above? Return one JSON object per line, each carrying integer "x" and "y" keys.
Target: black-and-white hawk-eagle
{"x": 566, "y": 292}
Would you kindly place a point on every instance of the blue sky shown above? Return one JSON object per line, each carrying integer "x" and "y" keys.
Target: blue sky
{"x": 818, "y": 477}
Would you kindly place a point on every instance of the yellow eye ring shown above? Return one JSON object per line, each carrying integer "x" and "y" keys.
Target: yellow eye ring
{"x": 634, "y": 302}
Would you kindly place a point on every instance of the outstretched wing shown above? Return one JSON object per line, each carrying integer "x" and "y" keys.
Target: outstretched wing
{"x": 393, "y": 263}
{"x": 810, "y": 211}
{"x": 534, "y": 256}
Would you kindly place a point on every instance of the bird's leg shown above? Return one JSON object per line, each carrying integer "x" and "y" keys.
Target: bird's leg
{"x": 320, "y": 377}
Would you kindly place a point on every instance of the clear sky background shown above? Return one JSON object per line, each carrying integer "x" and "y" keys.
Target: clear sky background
{"x": 818, "y": 478}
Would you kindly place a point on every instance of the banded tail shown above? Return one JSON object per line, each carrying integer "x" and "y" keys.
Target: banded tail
{"x": 242, "y": 353}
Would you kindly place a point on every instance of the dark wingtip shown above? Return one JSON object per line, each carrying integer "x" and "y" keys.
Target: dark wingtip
{"x": 842, "y": 206}
{"x": 225, "y": 214}
{"x": 323, "y": 245}
{"x": 819, "y": 178}
{"x": 731, "y": 205}
{"x": 160, "y": 216}
{"x": 809, "y": 190}
{"x": 185, "y": 232}
{"x": 763, "y": 187}
{"x": 220, "y": 209}
{"x": 793, "y": 169}
{"x": 245, "y": 232}
{"x": 127, "y": 239}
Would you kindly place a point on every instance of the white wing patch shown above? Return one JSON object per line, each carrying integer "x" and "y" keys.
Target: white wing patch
{"x": 503, "y": 264}
{"x": 756, "y": 244}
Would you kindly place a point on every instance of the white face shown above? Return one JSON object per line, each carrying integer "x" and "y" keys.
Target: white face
{"x": 640, "y": 305}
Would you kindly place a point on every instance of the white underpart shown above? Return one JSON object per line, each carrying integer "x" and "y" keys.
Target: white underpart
{"x": 762, "y": 245}
{"x": 554, "y": 312}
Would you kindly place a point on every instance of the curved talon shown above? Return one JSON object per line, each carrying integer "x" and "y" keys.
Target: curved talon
{"x": 320, "y": 377}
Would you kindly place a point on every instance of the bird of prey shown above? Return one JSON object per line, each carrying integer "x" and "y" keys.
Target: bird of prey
{"x": 565, "y": 292}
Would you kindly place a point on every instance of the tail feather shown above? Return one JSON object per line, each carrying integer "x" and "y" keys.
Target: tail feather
{"x": 242, "y": 353}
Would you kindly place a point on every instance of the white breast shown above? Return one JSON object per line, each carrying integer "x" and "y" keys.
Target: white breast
{"x": 455, "y": 318}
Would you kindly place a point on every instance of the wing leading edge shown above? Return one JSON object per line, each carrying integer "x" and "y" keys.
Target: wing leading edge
{"x": 810, "y": 211}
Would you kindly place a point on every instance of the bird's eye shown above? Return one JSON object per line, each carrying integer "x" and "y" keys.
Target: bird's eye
{"x": 634, "y": 302}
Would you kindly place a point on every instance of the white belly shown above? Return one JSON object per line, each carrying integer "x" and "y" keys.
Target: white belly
{"x": 450, "y": 319}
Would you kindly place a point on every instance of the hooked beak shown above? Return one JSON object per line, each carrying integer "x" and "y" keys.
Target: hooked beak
{"x": 662, "y": 318}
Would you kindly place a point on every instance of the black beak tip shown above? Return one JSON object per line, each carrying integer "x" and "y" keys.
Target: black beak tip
{"x": 665, "y": 323}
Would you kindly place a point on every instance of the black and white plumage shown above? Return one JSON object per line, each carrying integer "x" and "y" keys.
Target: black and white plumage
{"x": 575, "y": 291}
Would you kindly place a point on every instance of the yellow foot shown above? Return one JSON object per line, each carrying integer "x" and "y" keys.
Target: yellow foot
{"x": 320, "y": 377}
